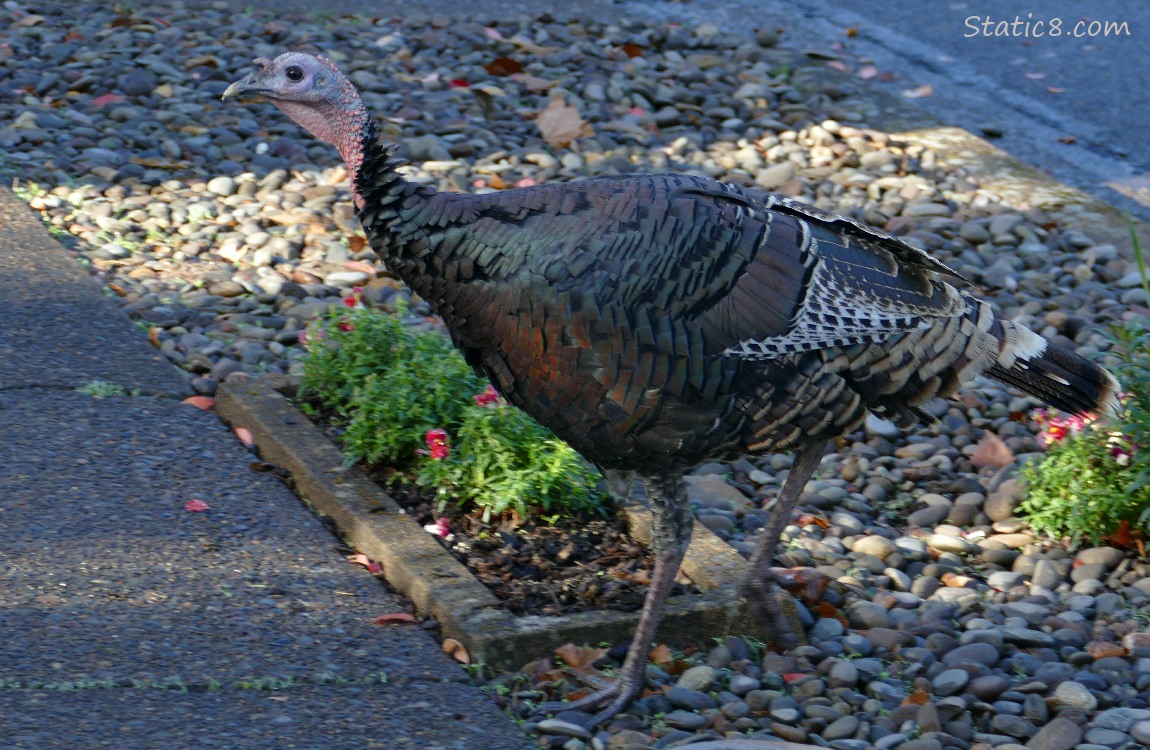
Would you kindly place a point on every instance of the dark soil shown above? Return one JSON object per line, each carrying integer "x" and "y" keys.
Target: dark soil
{"x": 580, "y": 563}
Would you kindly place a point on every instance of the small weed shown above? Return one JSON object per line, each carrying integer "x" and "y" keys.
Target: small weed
{"x": 104, "y": 389}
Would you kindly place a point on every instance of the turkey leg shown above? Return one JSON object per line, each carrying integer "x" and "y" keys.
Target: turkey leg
{"x": 670, "y": 535}
{"x": 758, "y": 578}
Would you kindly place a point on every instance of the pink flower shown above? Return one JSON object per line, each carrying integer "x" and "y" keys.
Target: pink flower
{"x": 440, "y": 528}
{"x": 346, "y": 326}
{"x": 437, "y": 444}
{"x": 301, "y": 339}
{"x": 489, "y": 397}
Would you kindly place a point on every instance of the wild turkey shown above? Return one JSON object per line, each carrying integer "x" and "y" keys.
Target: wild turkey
{"x": 656, "y": 321}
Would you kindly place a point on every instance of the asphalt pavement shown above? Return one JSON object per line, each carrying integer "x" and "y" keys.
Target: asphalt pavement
{"x": 131, "y": 621}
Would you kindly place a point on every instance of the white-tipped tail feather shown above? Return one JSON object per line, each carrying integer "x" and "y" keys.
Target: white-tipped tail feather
{"x": 1052, "y": 373}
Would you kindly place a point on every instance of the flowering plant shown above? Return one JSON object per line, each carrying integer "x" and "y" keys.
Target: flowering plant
{"x": 409, "y": 400}
{"x": 1095, "y": 475}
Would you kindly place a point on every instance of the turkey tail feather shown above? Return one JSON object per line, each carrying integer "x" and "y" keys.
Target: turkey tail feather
{"x": 1053, "y": 373}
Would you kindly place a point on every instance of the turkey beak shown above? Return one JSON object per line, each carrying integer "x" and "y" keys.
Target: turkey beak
{"x": 249, "y": 84}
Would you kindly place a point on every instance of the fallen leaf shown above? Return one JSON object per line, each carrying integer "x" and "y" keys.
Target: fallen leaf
{"x": 918, "y": 93}
{"x": 154, "y": 336}
{"x": 838, "y": 65}
{"x": 200, "y": 402}
{"x": 503, "y": 66}
{"x": 73, "y": 36}
{"x": 957, "y": 581}
{"x": 455, "y": 650}
{"x": 393, "y": 618}
{"x": 244, "y": 435}
{"x": 661, "y": 655}
{"x": 458, "y": 83}
{"x": 196, "y": 506}
{"x": 867, "y": 72}
{"x": 852, "y": 31}
{"x": 105, "y": 99}
{"x": 355, "y": 243}
{"x": 361, "y": 559}
{"x": 1104, "y": 649}
{"x": 123, "y": 21}
{"x": 581, "y": 658}
{"x": 806, "y": 583}
{"x": 632, "y": 49}
{"x": 1055, "y": 90}
{"x": 792, "y": 677}
{"x": 1068, "y": 139}
{"x": 561, "y": 124}
{"x": 1036, "y": 76}
{"x": 991, "y": 451}
{"x": 917, "y": 698}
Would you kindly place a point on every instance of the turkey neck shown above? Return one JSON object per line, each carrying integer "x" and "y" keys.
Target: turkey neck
{"x": 388, "y": 206}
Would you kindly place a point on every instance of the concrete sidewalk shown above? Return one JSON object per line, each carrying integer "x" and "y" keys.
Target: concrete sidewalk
{"x": 129, "y": 621}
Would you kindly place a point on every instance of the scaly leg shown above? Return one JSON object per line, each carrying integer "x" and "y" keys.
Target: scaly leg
{"x": 758, "y": 578}
{"x": 670, "y": 535}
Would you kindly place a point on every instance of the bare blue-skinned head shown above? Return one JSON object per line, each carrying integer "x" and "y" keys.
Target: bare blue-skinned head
{"x": 317, "y": 96}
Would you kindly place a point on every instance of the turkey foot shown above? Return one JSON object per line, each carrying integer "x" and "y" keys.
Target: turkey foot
{"x": 605, "y": 702}
{"x": 670, "y": 535}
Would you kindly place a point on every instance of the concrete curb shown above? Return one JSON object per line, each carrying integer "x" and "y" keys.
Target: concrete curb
{"x": 1023, "y": 185}
{"x": 415, "y": 564}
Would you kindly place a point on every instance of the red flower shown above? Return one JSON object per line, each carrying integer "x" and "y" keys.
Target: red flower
{"x": 355, "y": 299}
{"x": 489, "y": 397}
{"x": 458, "y": 83}
{"x": 346, "y": 326}
{"x": 437, "y": 444}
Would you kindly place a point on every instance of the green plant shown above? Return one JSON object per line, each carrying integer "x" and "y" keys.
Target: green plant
{"x": 104, "y": 389}
{"x": 408, "y": 399}
{"x": 504, "y": 460}
{"x": 1095, "y": 475}
{"x": 390, "y": 384}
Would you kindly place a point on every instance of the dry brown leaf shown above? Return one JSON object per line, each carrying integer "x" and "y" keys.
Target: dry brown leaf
{"x": 917, "y": 698}
{"x": 633, "y": 50}
{"x": 455, "y": 650}
{"x": 661, "y": 655}
{"x": 560, "y": 124}
{"x": 503, "y": 66}
{"x": 580, "y": 657}
{"x": 991, "y": 451}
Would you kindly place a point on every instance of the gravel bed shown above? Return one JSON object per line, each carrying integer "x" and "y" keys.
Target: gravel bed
{"x": 224, "y": 229}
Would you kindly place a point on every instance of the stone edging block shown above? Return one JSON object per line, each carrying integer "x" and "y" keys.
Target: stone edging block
{"x": 440, "y": 586}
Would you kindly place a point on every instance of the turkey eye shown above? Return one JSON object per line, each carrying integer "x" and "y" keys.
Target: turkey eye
{"x": 294, "y": 73}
